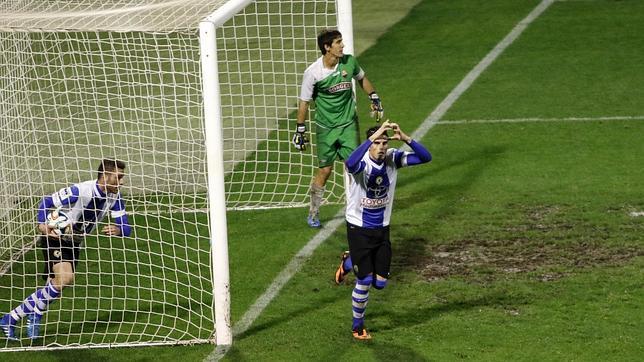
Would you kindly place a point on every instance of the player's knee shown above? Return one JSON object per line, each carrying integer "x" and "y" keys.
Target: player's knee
{"x": 379, "y": 283}
{"x": 63, "y": 280}
{"x": 366, "y": 280}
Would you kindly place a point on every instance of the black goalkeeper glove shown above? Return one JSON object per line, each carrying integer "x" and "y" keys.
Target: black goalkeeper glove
{"x": 376, "y": 107}
{"x": 300, "y": 140}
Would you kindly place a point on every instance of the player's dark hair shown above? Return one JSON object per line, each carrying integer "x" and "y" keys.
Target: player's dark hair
{"x": 326, "y": 37}
{"x": 110, "y": 166}
{"x": 373, "y": 130}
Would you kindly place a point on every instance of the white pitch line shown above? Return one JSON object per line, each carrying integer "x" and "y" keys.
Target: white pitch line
{"x": 456, "y": 93}
{"x": 536, "y": 119}
{"x": 278, "y": 283}
{"x": 637, "y": 213}
{"x": 329, "y": 228}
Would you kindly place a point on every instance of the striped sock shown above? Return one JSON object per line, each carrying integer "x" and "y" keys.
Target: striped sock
{"x": 380, "y": 283}
{"x": 359, "y": 299}
{"x": 38, "y": 302}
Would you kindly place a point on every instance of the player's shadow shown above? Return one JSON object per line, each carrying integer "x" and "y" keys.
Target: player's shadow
{"x": 448, "y": 194}
{"x": 413, "y": 316}
{"x": 384, "y": 350}
{"x": 477, "y": 161}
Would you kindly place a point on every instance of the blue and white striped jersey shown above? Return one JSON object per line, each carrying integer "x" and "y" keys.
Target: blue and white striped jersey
{"x": 86, "y": 205}
{"x": 370, "y": 185}
{"x": 370, "y": 190}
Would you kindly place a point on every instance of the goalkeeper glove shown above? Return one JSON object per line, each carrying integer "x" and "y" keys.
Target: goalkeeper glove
{"x": 376, "y": 107}
{"x": 299, "y": 138}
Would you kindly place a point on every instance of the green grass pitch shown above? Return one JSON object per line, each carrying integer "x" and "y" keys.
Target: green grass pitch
{"x": 516, "y": 243}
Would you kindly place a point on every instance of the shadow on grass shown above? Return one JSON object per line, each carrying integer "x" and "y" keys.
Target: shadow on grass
{"x": 410, "y": 237}
{"x": 415, "y": 316}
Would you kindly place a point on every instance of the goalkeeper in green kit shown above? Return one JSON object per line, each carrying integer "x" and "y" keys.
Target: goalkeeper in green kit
{"x": 328, "y": 82}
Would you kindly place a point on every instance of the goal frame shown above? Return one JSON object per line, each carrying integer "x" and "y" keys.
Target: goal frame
{"x": 215, "y": 167}
{"x": 214, "y": 150}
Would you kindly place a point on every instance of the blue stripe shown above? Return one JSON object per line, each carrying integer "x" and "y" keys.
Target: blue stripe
{"x": 398, "y": 158}
{"x": 91, "y": 212}
{"x": 358, "y": 291}
{"x": 372, "y": 218}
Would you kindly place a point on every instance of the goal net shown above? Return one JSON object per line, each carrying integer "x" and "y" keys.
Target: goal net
{"x": 84, "y": 80}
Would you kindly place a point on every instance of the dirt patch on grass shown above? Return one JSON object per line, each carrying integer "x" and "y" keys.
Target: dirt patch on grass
{"x": 487, "y": 260}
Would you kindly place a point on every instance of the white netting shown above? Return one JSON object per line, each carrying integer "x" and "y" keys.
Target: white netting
{"x": 86, "y": 80}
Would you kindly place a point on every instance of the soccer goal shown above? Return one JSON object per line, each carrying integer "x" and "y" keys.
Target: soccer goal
{"x": 198, "y": 98}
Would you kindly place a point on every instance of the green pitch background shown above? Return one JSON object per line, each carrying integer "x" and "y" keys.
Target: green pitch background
{"x": 515, "y": 243}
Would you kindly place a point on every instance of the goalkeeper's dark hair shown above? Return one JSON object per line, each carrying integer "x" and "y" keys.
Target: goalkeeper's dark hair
{"x": 110, "y": 166}
{"x": 375, "y": 129}
{"x": 326, "y": 37}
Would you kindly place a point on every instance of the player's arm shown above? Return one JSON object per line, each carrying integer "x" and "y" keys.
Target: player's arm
{"x": 121, "y": 226}
{"x": 419, "y": 153}
{"x": 354, "y": 162}
{"x": 300, "y": 138}
{"x": 46, "y": 203}
{"x": 377, "y": 111}
{"x": 64, "y": 197}
{"x": 302, "y": 111}
{"x": 366, "y": 85}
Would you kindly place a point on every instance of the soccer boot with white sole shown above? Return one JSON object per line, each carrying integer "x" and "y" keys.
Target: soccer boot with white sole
{"x": 361, "y": 334}
{"x": 33, "y": 325}
{"x": 8, "y": 326}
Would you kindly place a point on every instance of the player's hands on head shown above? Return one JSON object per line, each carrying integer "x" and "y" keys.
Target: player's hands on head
{"x": 377, "y": 111}
{"x": 300, "y": 139}
{"x": 384, "y": 127}
{"x": 398, "y": 133}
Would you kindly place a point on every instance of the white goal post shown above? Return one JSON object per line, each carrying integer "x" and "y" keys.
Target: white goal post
{"x": 198, "y": 98}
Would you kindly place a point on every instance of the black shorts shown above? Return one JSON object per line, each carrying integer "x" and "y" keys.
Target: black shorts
{"x": 370, "y": 250}
{"x": 56, "y": 251}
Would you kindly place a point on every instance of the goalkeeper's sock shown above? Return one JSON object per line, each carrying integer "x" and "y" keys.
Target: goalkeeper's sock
{"x": 317, "y": 193}
{"x": 38, "y": 302}
{"x": 359, "y": 300}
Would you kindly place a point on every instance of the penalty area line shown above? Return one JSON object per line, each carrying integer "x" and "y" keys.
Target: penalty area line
{"x": 438, "y": 113}
{"x": 537, "y": 119}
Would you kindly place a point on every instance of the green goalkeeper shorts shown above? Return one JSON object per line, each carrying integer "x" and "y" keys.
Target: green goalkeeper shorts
{"x": 336, "y": 142}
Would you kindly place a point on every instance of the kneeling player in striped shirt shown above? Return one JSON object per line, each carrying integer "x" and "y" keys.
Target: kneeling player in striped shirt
{"x": 85, "y": 204}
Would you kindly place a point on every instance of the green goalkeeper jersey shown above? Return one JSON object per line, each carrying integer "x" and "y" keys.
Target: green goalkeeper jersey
{"x": 332, "y": 91}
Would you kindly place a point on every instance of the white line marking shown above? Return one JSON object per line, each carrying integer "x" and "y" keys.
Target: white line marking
{"x": 293, "y": 267}
{"x": 278, "y": 283}
{"x": 456, "y": 93}
{"x": 329, "y": 228}
{"x": 637, "y": 213}
{"x": 536, "y": 119}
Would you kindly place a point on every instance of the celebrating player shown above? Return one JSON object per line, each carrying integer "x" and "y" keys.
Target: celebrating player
{"x": 373, "y": 167}
{"x": 85, "y": 204}
{"x": 328, "y": 83}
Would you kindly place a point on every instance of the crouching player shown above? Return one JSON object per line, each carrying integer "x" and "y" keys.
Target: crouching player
{"x": 373, "y": 169}
{"x": 85, "y": 204}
